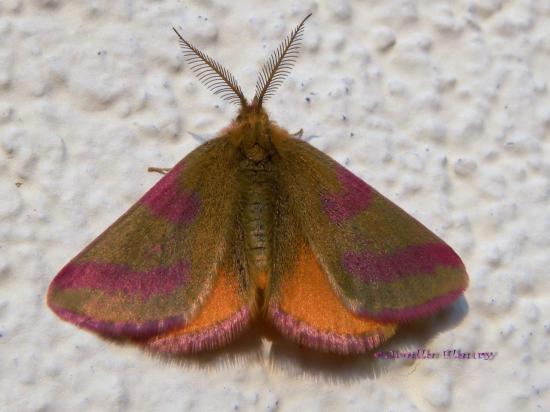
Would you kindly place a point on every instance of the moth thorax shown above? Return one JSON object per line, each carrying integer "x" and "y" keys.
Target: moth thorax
{"x": 256, "y": 153}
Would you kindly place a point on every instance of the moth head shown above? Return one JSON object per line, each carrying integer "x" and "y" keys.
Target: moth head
{"x": 251, "y": 131}
{"x": 221, "y": 82}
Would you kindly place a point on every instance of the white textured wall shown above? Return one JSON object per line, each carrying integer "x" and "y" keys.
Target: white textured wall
{"x": 441, "y": 105}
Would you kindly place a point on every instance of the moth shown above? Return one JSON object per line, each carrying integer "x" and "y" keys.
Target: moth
{"x": 257, "y": 223}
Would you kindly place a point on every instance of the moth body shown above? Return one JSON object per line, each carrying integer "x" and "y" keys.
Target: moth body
{"x": 258, "y": 196}
{"x": 258, "y": 223}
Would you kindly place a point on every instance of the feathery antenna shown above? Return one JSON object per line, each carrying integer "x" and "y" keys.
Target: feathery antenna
{"x": 279, "y": 64}
{"x": 212, "y": 74}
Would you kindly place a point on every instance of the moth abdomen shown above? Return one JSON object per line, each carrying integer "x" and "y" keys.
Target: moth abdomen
{"x": 258, "y": 185}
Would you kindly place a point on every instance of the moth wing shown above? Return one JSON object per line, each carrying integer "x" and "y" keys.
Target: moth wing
{"x": 222, "y": 316}
{"x": 161, "y": 265}
{"x": 304, "y": 306}
{"x": 381, "y": 263}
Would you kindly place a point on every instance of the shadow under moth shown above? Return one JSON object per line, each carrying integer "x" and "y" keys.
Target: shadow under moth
{"x": 257, "y": 223}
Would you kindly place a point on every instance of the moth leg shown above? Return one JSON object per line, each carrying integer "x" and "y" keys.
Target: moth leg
{"x": 161, "y": 170}
{"x": 298, "y": 134}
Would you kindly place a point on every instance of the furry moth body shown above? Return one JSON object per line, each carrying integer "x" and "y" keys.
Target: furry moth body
{"x": 257, "y": 223}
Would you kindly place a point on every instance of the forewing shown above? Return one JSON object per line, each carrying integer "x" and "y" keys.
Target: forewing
{"x": 381, "y": 262}
{"x": 153, "y": 270}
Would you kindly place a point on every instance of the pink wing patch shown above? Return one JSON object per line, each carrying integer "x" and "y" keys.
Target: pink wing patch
{"x": 114, "y": 279}
{"x": 167, "y": 199}
{"x": 354, "y": 197}
{"x": 109, "y": 291}
{"x": 411, "y": 261}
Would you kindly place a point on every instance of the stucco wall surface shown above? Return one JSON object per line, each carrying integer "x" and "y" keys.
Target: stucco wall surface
{"x": 443, "y": 106}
